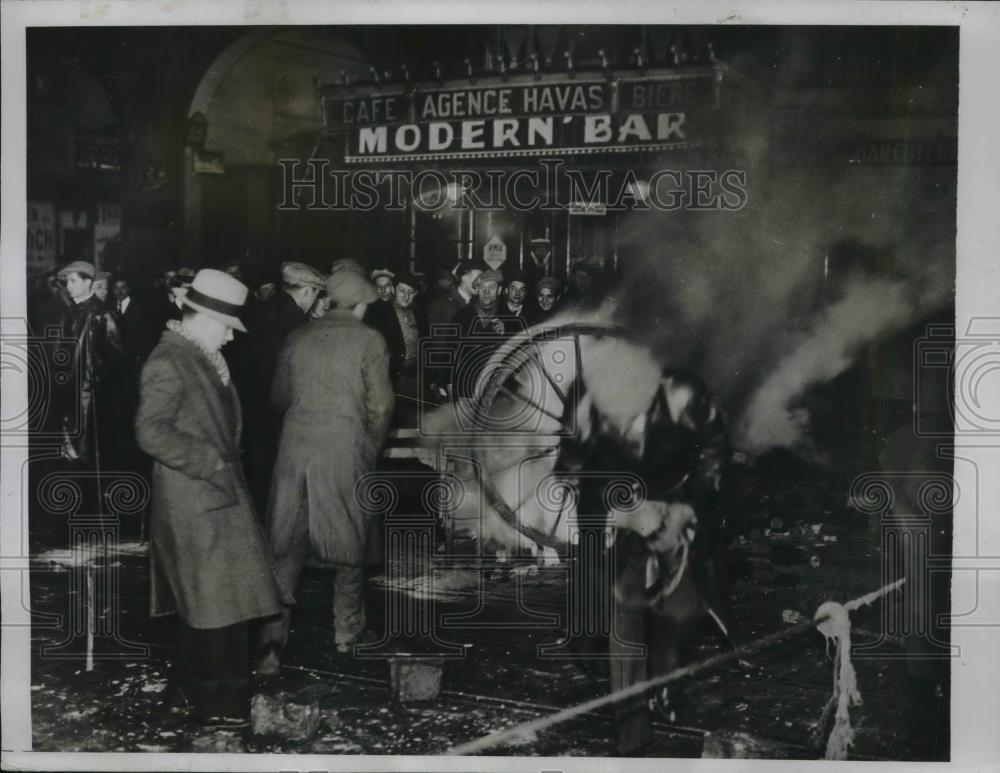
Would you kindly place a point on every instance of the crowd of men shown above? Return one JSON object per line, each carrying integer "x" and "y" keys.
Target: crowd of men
{"x": 116, "y": 325}
{"x": 254, "y": 442}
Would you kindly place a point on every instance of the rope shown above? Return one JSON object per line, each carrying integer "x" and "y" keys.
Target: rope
{"x": 833, "y": 621}
{"x": 527, "y": 732}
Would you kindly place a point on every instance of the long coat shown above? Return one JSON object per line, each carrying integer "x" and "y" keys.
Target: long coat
{"x": 210, "y": 561}
{"x": 332, "y": 383}
{"x": 386, "y": 321}
{"x": 92, "y": 398}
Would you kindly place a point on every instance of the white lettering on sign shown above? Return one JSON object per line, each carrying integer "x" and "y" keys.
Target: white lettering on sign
{"x": 440, "y": 135}
{"x": 596, "y": 128}
{"x": 463, "y": 104}
{"x": 668, "y": 125}
{"x": 540, "y": 128}
{"x": 404, "y": 144}
{"x": 535, "y": 132}
{"x": 370, "y": 110}
{"x": 472, "y": 132}
{"x": 373, "y": 140}
{"x": 562, "y": 99}
{"x": 504, "y": 132}
{"x": 634, "y": 126}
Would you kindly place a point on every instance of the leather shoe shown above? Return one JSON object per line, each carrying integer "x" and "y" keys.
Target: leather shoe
{"x": 269, "y": 666}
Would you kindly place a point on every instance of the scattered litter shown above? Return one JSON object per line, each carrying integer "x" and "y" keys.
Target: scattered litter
{"x": 80, "y": 713}
{"x": 154, "y": 687}
{"x": 792, "y": 617}
{"x": 222, "y": 741}
{"x": 728, "y": 744}
{"x": 278, "y": 716}
{"x": 415, "y": 679}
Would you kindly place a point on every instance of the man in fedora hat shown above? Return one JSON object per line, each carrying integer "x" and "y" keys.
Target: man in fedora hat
{"x": 270, "y": 323}
{"x": 209, "y": 557}
{"x": 90, "y": 413}
{"x": 332, "y": 383}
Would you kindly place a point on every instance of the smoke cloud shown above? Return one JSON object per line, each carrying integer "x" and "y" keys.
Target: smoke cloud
{"x": 784, "y": 295}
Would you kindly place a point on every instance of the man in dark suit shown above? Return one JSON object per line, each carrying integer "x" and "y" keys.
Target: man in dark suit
{"x": 403, "y": 326}
{"x": 138, "y": 339}
{"x": 513, "y": 306}
{"x": 270, "y": 322}
{"x": 136, "y": 329}
{"x": 482, "y": 326}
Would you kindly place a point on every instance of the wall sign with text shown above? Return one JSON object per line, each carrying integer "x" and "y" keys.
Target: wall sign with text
{"x": 525, "y": 116}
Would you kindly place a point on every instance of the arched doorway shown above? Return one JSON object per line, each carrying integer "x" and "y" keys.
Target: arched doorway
{"x": 260, "y": 103}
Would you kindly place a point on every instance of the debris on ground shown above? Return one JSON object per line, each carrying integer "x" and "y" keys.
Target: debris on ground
{"x": 277, "y": 715}
{"x": 220, "y": 742}
{"x": 415, "y": 679}
{"x": 728, "y": 744}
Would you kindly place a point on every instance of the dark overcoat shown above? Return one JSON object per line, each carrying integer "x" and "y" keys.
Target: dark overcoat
{"x": 210, "y": 561}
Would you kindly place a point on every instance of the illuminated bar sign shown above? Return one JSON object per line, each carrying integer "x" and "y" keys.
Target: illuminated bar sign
{"x": 524, "y": 116}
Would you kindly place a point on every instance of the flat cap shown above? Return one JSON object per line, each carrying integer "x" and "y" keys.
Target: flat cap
{"x": 301, "y": 275}
{"x": 379, "y": 272}
{"x": 347, "y": 264}
{"x": 410, "y": 280}
{"x": 468, "y": 266}
{"x": 550, "y": 282}
{"x": 347, "y": 289}
{"x": 81, "y": 267}
{"x": 489, "y": 276}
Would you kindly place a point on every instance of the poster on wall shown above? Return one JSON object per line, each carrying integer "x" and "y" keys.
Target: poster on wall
{"x": 494, "y": 253}
{"x": 104, "y": 234}
{"x": 41, "y": 245}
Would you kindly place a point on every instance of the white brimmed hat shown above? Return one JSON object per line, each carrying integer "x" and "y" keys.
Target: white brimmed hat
{"x": 217, "y": 295}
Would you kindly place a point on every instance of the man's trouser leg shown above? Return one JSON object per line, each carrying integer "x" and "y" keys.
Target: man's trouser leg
{"x": 289, "y": 566}
{"x": 633, "y": 729}
{"x": 348, "y": 603}
{"x": 213, "y": 669}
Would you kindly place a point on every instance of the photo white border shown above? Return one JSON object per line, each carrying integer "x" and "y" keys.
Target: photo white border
{"x": 976, "y": 675}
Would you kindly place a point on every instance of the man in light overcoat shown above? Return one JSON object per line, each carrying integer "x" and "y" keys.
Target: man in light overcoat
{"x": 209, "y": 556}
{"x": 332, "y": 384}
